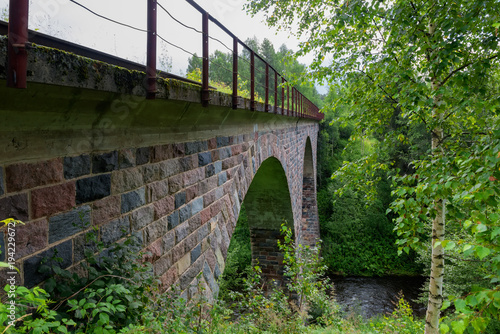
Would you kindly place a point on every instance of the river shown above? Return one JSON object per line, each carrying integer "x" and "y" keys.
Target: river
{"x": 370, "y": 296}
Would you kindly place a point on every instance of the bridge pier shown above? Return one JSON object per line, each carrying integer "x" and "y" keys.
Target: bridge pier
{"x": 267, "y": 255}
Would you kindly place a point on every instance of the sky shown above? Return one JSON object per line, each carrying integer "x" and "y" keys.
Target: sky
{"x": 67, "y": 20}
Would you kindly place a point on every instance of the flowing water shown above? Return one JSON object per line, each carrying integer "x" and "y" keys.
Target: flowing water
{"x": 371, "y": 296}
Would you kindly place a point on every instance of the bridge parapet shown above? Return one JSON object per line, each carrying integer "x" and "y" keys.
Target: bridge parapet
{"x": 20, "y": 41}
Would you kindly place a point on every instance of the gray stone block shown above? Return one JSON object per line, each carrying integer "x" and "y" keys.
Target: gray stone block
{"x": 203, "y": 232}
{"x": 126, "y": 158}
{"x": 115, "y": 230}
{"x": 222, "y": 141}
{"x": 222, "y": 178}
{"x": 132, "y": 200}
{"x": 138, "y": 239}
{"x": 93, "y": 188}
{"x": 180, "y": 199}
{"x": 85, "y": 243}
{"x": 219, "y": 193}
{"x": 69, "y": 223}
{"x": 195, "y": 147}
{"x": 209, "y": 171}
{"x": 169, "y": 168}
{"x": 142, "y": 155}
{"x": 186, "y": 164}
{"x": 181, "y": 232}
{"x": 155, "y": 231}
{"x": 141, "y": 218}
{"x": 225, "y": 153}
{"x": 204, "y": 158}
{"x": 217, "y": 272}
{"x": 184, "y": 213}
{"x": 209, "y": 278}
{"x": 106, "y": 162}
{"x": 218, "y": 167}
{"x": 173, "y": 220}
{"x": 31, "y": 265}
{"x": 195, "y": 253}
{"x": 76, "y": 166}
{"x": 151, "y": 173}
{"x": 15, "y": 206}
{"x": 168, "y": 241}
{"x": 190, "y": 274}
{"x": 196, "y": 205}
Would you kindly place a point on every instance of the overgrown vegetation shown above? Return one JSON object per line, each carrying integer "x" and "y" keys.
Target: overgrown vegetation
{"x": 118, "y": 294}
{"x": 359, "y": 238}
{"x": 409, "y": 67}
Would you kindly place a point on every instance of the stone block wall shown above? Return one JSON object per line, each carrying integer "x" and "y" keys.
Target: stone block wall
{"x": 180, "y": 200}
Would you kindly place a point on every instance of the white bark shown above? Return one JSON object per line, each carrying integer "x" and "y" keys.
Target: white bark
{"x": 438, "y": 226}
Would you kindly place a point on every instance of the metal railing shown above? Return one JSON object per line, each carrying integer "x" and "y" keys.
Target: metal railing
{"x": 293, "y": 102}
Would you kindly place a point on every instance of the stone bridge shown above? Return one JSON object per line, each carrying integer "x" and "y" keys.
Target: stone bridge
{"x": 82, "y": 149}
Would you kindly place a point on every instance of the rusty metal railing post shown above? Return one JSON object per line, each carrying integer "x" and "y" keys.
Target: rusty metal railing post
{"x": 287, "y": 100}
{"x": 282, "y": 95}
{"x": 151, "y": 51}
{"x": 235, "y": 73}
{"x": 252, "y": 80}
{"x": 301, "y": 104}
{"x": 205, "y": 92}
{"x": 17, "y": 64}
{"x": 267, "y": 88}
{"x": 275, "y": 92}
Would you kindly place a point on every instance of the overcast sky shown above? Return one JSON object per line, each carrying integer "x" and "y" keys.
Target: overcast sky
{"x": 69, "y": 21}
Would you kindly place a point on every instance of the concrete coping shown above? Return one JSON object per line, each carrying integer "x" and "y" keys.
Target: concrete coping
{"x": 56, "y": 67}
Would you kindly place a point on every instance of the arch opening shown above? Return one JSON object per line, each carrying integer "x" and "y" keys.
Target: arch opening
{"x": 267, "y": 204}
{"x": 309, "y": 234}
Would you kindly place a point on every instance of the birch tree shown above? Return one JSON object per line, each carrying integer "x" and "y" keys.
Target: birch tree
{"x": 419, "y": 63}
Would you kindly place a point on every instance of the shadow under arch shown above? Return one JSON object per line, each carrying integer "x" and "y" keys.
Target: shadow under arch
{"x": 309, "y": 234}
{"x": 268, "y": 205}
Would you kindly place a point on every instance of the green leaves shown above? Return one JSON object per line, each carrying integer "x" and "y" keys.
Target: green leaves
{"x": 411, "y": 73}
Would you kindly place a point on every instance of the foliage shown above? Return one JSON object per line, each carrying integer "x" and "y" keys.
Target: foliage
{"x": 96, "y": 307}
{"x": 305, "y": 298}
{"x": 429, "y": 65}
{"x": 468, "y": 182}
{"x": 401, "y": 321}
{"x": 305, "y": 273}
{"x": 116, "y": 287}
{"x": 30, "y": 312}
{"x": 4, "y": 15}
{"x": 221, "y": 86}
{"x": 358, "y": 238}
{"x": 221, "y": 75}
{"x": 239, "y": 258}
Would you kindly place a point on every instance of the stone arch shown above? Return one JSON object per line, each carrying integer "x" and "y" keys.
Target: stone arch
{"x": 310, "y": 223}
{"x": 268, "y": 204}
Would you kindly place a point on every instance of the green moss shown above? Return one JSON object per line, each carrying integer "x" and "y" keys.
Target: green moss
{"x": 83, "y": 73}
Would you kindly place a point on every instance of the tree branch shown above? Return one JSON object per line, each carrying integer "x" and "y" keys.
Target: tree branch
{"x": 463, "y": 67}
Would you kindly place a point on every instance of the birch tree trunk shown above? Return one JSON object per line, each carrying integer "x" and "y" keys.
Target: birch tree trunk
{"x": 438, "y": 224}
